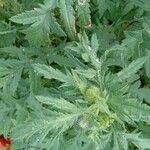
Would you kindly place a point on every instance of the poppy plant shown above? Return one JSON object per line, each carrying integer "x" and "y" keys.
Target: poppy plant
{"x": 75, "y": 74}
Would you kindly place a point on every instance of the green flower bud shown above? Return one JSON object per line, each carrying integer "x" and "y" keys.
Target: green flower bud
{"x": 92, "y": 94}
{"x": 105, "y": 120}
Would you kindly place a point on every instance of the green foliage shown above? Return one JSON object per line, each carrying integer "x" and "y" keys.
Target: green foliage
{"x": 75, "y": 74}
{"x": 66, "y": 11}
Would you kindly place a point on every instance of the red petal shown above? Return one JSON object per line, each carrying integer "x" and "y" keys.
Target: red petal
{"x": 2, "y": 147}
{"x": 4, "y": 142}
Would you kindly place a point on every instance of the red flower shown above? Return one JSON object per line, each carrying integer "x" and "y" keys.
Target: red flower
{"x": 5, "y": 144}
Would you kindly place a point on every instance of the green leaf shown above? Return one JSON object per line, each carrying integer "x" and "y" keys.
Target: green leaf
{"x": 61, "y": 60}
{"x": 89, "y": 73}
{"x": 142, "y": 143}
{"x": 120, "y": 141}
{"x": 15, "y": 80}
{"x": 94, "y": 43}
{"x": 67, "y": 14}
{"x": 10, "y": 75}
{"x": 130, "y": 109}
{"x": 51, "y": 73}
{"x": 42, "y": 127}
{"x": 60, "y": 104}
{"x": 144, "y": 93}
{"x": 7, "y": 35}
{"x": 83, "y": 14}
{"x": 147, "y": 64}
{"x": 50, "y": 3}
{"x": 11, "y": 51}
{"x": 144, "y": 4}
{"x": 29, "y": 17}
{"x": 102, "y": 7}
{"x": 42, "y": 20}
{"x": 131, "y": 69}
